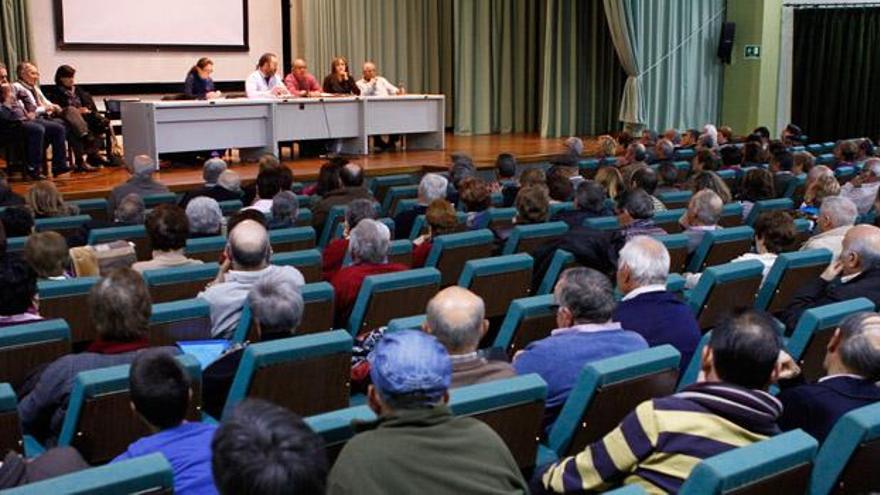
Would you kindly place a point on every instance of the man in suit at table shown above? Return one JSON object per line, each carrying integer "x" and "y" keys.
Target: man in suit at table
{"x": 852, "y": 361}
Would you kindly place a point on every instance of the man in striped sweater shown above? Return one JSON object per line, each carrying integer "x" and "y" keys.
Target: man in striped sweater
{"x": 658, "y": 444}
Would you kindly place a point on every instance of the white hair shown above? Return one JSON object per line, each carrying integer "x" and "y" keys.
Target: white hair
{"x": 204, "y": 215}
{"x": 575, "y": 145}
{"x": 212, "y": 170}
{"x": 230, "y": 181}
{"x": 707, "y": 206}
{"x": 433, "y": 186}
{"x": 647, "y": 260}
{"x": 839, "y": 210}
{"x": 819, "y": 171}
{"x": 276, "y": 301}
{"x": 369, "y": 241}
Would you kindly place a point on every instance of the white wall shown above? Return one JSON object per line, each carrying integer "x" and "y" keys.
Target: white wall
{"x": 116, "y": 66}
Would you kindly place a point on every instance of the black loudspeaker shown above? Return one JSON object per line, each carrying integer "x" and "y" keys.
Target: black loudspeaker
{"x": 725, "y": 44}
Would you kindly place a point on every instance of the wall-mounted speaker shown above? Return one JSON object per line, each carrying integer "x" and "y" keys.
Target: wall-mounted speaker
{"x": 725, "y": 44}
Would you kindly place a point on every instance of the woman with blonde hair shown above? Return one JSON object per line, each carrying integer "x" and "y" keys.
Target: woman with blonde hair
{"x": 607, "y": 146}
{"x": 710, "y": 180}
{"x": 611, "y": 180}
{"x": 45, "y": 201}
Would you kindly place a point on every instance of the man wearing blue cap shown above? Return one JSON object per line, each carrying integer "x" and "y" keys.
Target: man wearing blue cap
{"x": 416, "y": 443}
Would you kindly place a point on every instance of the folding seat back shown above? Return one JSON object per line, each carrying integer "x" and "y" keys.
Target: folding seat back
{"x": 180, "y": 282}
{"x": 10, "y": 427}
{"x": 397, "y": 193}
{"x": 501, "y": 218}
{"x": 588, "y": 168}
{"x": 172, "y": 322}
{"x": 815, "y": 328}
{"x": 602, "y": 223}
{"x": 530, "y": 238}
{"x": 844, "y": 174}
{"x": 308, "y": 374}
{"x": 561, "y": 261}
{"x": 450, "y": 252}
{"x": 724, "y": 288}
{"x": 68, "y": 300}
{"x": 304, "y": 215}
{"x": 720, "y": 246}
{"x": 731, "y": 215}
{"x": 730, "y": 178}
{"x": 799, "y": 182}
{"x": 93, "y": 207}
{"x": 802, "y": 228}
{"x": 668, "y": 220}
{"x": 136, "y": 234}
{"x": 100, "y": 422}
{"x": 308, "y": 262}
{"x": 24, "y": 348}
{"x": 154, "y": 200}
{"x": 292, "y": 239}
{"x": 207, "y": 249}
{"x": 498, "y": 280}
{"x": 815, "y": 148}
{"x": 66, "y": 226}
{"x": 847, "y": 461}
{"x": 684, "y": 168}
{"x": 379, "y": 185}
{"x": 628, "y": 490}
{"x": 230, "y": 206}
{"x": 675, "y": 199}
{"x": 528, "y": 319}
{"x": 766, "y": 205}
{"x": 406, "y": 323}
{"x": 15, "y": 244}
{"x": 790, "y": 272}
{"x": 677, "y": 245}
{"x": 692, "y": 372}
{"x": 391, "y": 295}
{"x": 561, "y": 206}
{"x": 609, "y": 389}
{"x": 780, "y": 464}
{"x": 146, "y": 475}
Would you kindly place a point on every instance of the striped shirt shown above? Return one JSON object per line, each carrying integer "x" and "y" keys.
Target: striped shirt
{"x": 658, "y": 444}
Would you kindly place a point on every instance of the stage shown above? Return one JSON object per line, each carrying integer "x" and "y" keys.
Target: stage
{"x": 528, "y": 148}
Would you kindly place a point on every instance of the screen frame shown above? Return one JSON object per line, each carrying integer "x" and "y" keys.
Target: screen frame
{"x": 58, "y": 11}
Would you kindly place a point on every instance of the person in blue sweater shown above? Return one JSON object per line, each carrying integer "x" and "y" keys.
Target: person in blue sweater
{"x": 160, "y": 394}
{"x": 584, "y": 333}
{"x": 647, "y": 307}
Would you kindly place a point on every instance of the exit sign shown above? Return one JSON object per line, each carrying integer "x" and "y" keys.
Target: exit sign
{"x": 752, "y": 52}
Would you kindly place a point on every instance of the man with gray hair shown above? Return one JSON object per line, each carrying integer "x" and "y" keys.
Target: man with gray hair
{"x": 585, "y": 333}
{"x": 368, "y": 244}
{"x": 284, "y": 209}
{"x": 862, "y": 189}
{"x": 647, "y": 307}
{"x": 664, "y": 151}
{"x": 140, "y": 183}
{"x": 456, "y": 316}
{"x": 277, "y": 306}
{"x": 247, "y": 260}
{"x": 702, "y": 215}
{"x": 131, "y": 210}
{"x": 431, "y": 187}
{"x": 836, "y": 215}
{"x": 205, "y": 217}
{"x": 211, "y": 173}
{"x": 855, "y": 273}
{"x": 231, "y": 182}
{"x": 636, "y": 214}
{"x": 634, "y": 159}
{"x": 852, "y": 361}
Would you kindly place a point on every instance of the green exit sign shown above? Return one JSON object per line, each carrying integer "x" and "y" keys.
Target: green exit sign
{"x": 752, "y": 52}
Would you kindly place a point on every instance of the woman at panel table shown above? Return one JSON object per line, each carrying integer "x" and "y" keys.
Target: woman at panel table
{"x": 198, "y": 84}
{"x": 339, "y": 81}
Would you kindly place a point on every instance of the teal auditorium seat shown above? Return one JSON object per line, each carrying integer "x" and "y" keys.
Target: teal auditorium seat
{"x": 406, "y": 323}
{"x": 498, "y": 280}
{"x": 93, "y": 207}
{"x": 187, "y": 319}
{"x": 669, "y": 220}
{"x": 675, "y": 199}
{"x": 844, "y": 174}
{"x": 780, "y": 464}
{"x": 153, "y": 200}
{"x": 677, "y": 246}
{"x": 815, "y": 148}
{"x": 304, "y": 215}
{"x": 11, "y": 437}
{"x": 693, "y": 368}
{"x": 766, "y": 205}
{"x": 292, "y": 239}
{"x": 230, "y": 206}
{"x": 721, "y": 246}
{"x": 180, "y": 282}
{"x": 403, "y": 205}
{"x": 308, "y": 374}
{"x": 136, "y": 234}
{"x": 207, "y": 249}
{"x": 731, "y": 215}
{"x": 63, "y": 225}
{"x": 530, "y": 238}
{"x": 379, "y": 185}
{"x": 100, "y": 394}
{"x": 24, "y": 348}
{"x": 606, "y": 391}
{"x": 790, "y": 272}
{"x": 847, "y": 461}
{"x": 602, "y": 223}
{"x": 396, "y": 193}
{"x": 513, "y": 407}
{"x": 561, "y": 260}
{"x": 627, "y": 490}
{"x": 307, "y": 261}
{"x": 802, "y": 228}
{"x": 450, "y": 252}
{"x": 15, "y": 244}
{"x": 500, "y": 218}
{"x": 391, "y": 295}
{"x": 799, "y": 181}
{"x": 561, "y": 206}
{"x": 722, "y": 289}
{"x": 147, "y": 474}
{"x": 814, "y": 329}
{"x": 527, "y": 320}
{"x": 67, "y": 300}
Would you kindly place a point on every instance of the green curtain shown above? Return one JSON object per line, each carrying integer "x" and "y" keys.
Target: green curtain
{"x": 14, "y": 36}
{"x": 836, "y": 71}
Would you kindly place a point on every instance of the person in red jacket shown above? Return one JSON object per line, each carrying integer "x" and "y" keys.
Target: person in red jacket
{"x": 334, "y": 254}
{"x": 368, "y": 244}
{"x": 441, "y": 219}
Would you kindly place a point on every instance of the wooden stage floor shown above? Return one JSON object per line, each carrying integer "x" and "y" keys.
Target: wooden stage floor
{"x": 483, "y": 149}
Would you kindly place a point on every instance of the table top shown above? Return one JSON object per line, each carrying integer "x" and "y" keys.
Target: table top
{"x": 291, "y": 99}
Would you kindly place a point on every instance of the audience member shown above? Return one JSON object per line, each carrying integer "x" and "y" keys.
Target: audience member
{"x": 231, "y": 182}
{"x": 416, "y": 440}
{"x": 668, "y": 178}
{"x": 647, "y": 307}
{"x": 852, "y": 361}
{"x": 863, "y": 188}
{"x": 45, "y": 201}
{"x": 825, "y": 186}
{"x": 589, "y": 202}
{"x": 804, "y": 161}
{"x": 611, "y": 180}
{"x": 7, "y": 196}
{"x": 781, "y": 165}
{"x": 704, "y": 160}
{"x": 664, "y": 151}
{"x": 757, "y": 185}
{"x": 559, "y": 185}
{"x": 140, "y": 183}
{"x": 476, "y": 198}
{"x": 18, "y": 293}
{"x": 607, "y": 147}
{"x": 754, "y": 155}
{"x": 431, "y": 188}
{"x": 120, "y": 308}
{"x": 268, "y": 185}
{"x": 211, "y": 188}
{"x": 658, "y": 444}
{"x": 351, "y": 177}
{"x": 532, "y": 206}
{"x": 635, "y": 214}
{"x": 585, "y": 333}
{"x": 712, "y": 181}
{"x": 845, "y": 153}
{"x": 731, "y": 157}
{"x": 368, "y": 244}
{"x": 47, "y": 254}
{"x": 168, "y": 229}
{"x": 836, "y": 217}
{"x": 284, "y": 210}
{"x": 456, "y": 317}
{"x": 646, "y": 180}
{"x": 441, "y": 219}
{"x": 264, "y": 449}
{"x": 18, "y": 221}
{"x": 334, "y": 253}
{"x": 634, "y": 159}
{"x": 161, "y": 391}
{"x": 205, "y": 217}
{"x": 505, "y": 173}
{"x": 247, "y": 260}
{"x": 702, "y": 215}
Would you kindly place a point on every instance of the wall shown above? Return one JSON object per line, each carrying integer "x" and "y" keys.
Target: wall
{"x": 117, "y": 66}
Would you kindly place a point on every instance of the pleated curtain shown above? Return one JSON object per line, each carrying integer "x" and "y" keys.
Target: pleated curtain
{"x": 14, "y": 39}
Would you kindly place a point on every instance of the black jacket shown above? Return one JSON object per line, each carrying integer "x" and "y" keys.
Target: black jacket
{"x": 592, "y": 248}
{"x": 819, "y": 293}
{"x": 816, "y": 407}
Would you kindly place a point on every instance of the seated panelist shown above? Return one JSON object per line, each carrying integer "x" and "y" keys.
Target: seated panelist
{"x": 300, "y": 82}
{"x": 339, "y": 81}
{"x": 372, "y": 84}
{"x": 198, "y": 84}
{"x": 265, "y": 82}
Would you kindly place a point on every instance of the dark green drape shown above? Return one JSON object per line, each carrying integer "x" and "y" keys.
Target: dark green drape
{"x": 836, "y": 72}
{"x": 14, "y": 39}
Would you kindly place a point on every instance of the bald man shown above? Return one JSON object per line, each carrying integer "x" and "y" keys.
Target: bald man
{"x": 300, "y": 82}
{"x": 247, "y": 259}
{"x": 856, "y": 273}
{"x": 456, "y": 317}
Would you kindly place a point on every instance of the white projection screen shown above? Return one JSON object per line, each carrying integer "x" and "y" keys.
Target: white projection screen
{"x": 151, "y": 24}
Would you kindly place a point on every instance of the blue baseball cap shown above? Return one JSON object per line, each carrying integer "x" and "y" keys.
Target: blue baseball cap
{"x": 410, "y": 362}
